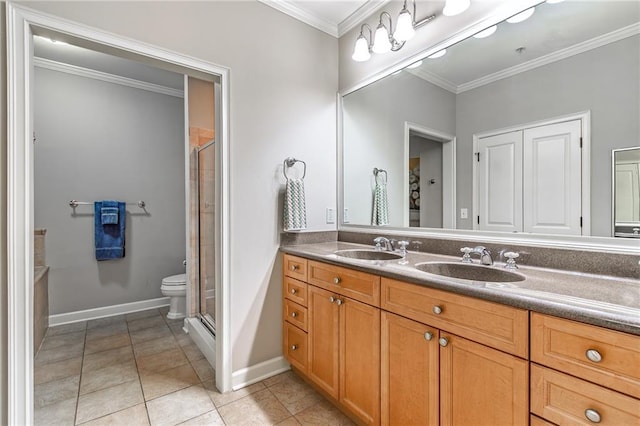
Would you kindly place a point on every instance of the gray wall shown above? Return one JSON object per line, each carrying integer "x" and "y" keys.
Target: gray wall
{"x": 603, "y": 80}
{"x": 95, "y": 141}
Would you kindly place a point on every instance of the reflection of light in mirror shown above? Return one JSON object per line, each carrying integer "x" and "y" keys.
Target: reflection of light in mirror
{"x": 438, "y": 54}
{"x": 415, "y": 65}
{"x": 486, "y": 33}
{"x": 522, "y": 16}
{"x": 554, "y": 1}
{"x": 381, "y": 42}
{"x": 50, "y": 40}
{"x": 397, "y": 72}
{"x": 455, "y": 7}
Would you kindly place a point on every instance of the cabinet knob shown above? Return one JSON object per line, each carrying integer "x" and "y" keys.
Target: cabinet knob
{"x": 339, "y": 302}
{"x": 294, "y": 267}
{"x": 437, "y": 310}
{"x": 594, "y": 356}
{"x": 336, "y": 280}
{"x": 332, "y": 299}
{"x": 294, "y": 291}
{"x": 592, "y": 415}
{"x": 443, "y": 341}
{"x": 428, "y": 335}
{"x": 294, "y": 314}
{"x": 294, "y": 347}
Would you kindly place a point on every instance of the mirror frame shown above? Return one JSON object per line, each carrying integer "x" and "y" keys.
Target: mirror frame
{"x": 587, "y": 243}
{"x": 613, "y": 184}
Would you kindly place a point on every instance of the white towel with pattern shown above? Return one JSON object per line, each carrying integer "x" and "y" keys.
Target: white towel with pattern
{"x": 380, "y": 215}
{"x": 295, "y": 210}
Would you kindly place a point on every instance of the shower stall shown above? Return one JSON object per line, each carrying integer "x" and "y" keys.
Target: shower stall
{"x": 206, "y": 234}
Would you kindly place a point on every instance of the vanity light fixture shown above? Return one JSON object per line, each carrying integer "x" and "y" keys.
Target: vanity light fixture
{"x": 455, "y": 7}
{"x": 385, "y": 39}
{"x": 522, "y": 16}
{"x": 438, "y": 54}
{"x": 486, "y": 33}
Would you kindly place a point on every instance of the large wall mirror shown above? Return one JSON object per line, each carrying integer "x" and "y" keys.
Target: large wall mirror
{"x": 511, "y": 130}
{"x": 626, "y": 192}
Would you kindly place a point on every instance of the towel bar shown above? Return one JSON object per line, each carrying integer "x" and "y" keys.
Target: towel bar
{"x": 74, "y": 203}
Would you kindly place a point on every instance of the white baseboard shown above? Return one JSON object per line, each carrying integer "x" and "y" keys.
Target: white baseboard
{"x": 107, "y": 311}
{"x": 202, "y": 338}
{"x": 258, "y": 372}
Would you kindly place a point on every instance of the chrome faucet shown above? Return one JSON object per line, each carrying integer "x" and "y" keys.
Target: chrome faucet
{"x": 383, "y": 243}
{"x": 484, "y": 254}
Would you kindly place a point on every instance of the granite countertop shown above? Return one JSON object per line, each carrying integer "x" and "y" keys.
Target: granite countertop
{"x": 601, "y": 300}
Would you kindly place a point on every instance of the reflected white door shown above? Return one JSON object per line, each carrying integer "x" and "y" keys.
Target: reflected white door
{"x": 627, "y": 192}
{"x": 552, "y": 191}
{"x": 500, "y": 182}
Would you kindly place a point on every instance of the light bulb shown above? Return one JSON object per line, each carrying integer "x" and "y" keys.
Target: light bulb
{"x": 486, "y": 33}
{"x": 381, "y": 43}
{"x": 415, "y": 65}
{"x": 361, "y": 50}
{"x": 438, "y": 54}
{"x": 455, "y": 7}
{"x": 404, "y": 31}
{"x": 522, "y": 16}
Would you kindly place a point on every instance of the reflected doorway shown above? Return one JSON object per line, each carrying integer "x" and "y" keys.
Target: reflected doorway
{"x": 206, "y": 234}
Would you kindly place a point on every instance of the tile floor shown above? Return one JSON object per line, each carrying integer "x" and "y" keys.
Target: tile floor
{"x": 141, "y": 369}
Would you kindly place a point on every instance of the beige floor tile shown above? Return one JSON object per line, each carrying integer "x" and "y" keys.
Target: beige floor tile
{"x": 295, "y": 394}
{"x": 203, "y": 369}
{"x": 150, "y": 347}
{"x": 61, "y": 414}
{"x": 220, "y": 399}
{"x": 155, "y": 385}
{"x": 177, "y": 327}
{"x": 192, "y": 352}
{"x": 106, "y": 343}
{"x": 259, "y": 408}
{"x": 277, "y": 378}
{"x": 162, "y": 361}
{"x": 323, "y": 413}
{"x": 57, "y": 370}
{"x": 142, "y": 314}
{"x": 107, "y": 401}
{"x": 133, "y": 416}
{"x": 108, "y": 376}
{"x": 67, "y": 328}
{"x": 291, "y": 421}
{"x": 149, "y": 322}
{"x": 192, "y": 402}
{"x": 55, "y": 391}
{"x": 60, "y": 340}
{"x": 183, "y": 339}
{"x": 102, "y": 322}
{"x": 212, "y": 418}
{"x": 107, "y": 358}
{"x": 164, "y": 310}
{"x": 58, "y": 354}
{"x": 106, "y": 331}
{"x": 139, "y": 336}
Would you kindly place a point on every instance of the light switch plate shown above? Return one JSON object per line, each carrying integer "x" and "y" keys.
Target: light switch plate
{"x": 345, "y": 216}
{"x": 464, "y": 214}
{"x": 331, "y": 215}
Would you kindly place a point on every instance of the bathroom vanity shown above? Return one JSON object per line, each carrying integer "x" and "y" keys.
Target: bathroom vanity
{"x": 390, "y": 344}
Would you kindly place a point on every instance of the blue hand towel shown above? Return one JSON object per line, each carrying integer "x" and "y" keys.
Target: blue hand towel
{"x": 109, "y": 237}
{"x": 109, "y": 213}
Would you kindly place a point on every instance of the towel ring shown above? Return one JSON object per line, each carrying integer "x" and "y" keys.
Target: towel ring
{"x": 377, "y": 171}
{"x": 289, "y": 162}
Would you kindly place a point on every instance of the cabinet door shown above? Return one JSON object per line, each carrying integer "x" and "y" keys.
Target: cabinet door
{"x": 360, "y": 359}
{"x": 480, "y": 385}
{"x": 410, "y": 372}
{"x": 323, "y": 338}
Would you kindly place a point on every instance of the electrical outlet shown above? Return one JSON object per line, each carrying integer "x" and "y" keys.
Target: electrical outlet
{"x": 345, "y": 216}
{"x": 464, "y": 214}
{"x": 331, "y": 215}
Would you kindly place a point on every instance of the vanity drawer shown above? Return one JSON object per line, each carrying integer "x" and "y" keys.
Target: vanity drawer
{"x": 295, "y": 267}
{"x": 295, "y": 314}
{"x": 295, "y": 290}
{"x": 567, "y": 346}
{"x": 564, "y": 399}
{"x": 295, "y": 346}
{"x": 357, "y": 285}
{"x": 498, "y": 326}
{"x": 537, "y": 421}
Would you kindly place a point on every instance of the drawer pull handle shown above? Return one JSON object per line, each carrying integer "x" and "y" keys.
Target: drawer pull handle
{"x": 294, "y": 267}
{"x": 592, "y": 415}
{"x": 443, "y": 341}
{"x": 332, "y": 299}
{"x": 428, "y": 335}
{"x": 437, "y": 310}
{"x": 294, "y": 347}
{"x": 339, "y": 302}
{"x": 336, "y": 280}
{"x": 594, "y": 355}
{"x": 294, "y": 291}
{"x": 294, "y": 314}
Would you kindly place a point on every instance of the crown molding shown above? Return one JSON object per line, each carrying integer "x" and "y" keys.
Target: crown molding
{"x": 622, "y": 33}
{"x": 434, "y": 79}
{"x": 360, "y": 15}
{"x": 103, "y": 76}
{"x": 288, "y": 7}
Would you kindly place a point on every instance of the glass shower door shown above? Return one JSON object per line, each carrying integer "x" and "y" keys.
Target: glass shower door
{"x": 206, "y": 234}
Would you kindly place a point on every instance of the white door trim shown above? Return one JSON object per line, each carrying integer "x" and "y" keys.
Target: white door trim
{"x": 21, "y": 23}
{"x": 448, "y": 171}
{"x": 585, "y": 120}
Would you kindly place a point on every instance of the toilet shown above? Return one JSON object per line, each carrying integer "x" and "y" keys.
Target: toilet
{"x": 175, "y": 287}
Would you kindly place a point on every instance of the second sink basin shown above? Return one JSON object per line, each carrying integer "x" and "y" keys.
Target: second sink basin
{"x": 364, "y": 254}
{"x": 468, "y": 271}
